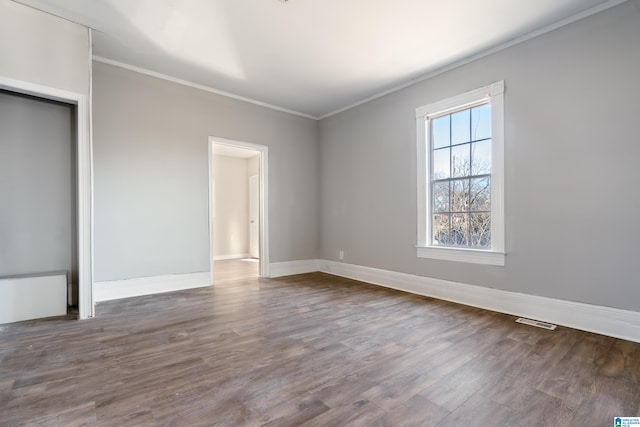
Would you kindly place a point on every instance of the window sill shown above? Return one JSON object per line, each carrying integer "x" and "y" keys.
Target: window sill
{"x": 474, "y": 256}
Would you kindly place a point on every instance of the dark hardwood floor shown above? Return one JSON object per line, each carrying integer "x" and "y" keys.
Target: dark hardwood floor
{"x": 311, "y": 350}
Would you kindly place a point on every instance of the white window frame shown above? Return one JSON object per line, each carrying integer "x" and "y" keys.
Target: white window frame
{"x": 494, "y": 94}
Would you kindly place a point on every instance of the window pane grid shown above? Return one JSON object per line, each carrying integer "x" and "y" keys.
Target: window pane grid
{"x": 463, "y": 143}
{"x": 456, "y": 212}
{"x": 461, "y": 178}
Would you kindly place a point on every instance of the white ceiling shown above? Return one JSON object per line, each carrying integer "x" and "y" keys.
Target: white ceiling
{"x": 312, "y": 57}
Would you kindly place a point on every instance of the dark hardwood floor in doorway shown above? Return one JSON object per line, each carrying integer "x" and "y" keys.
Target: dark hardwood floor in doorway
{"x": 311, "y": 350}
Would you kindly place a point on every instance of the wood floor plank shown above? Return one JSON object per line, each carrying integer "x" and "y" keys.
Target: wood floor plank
{"x": 529, "y": 371}
{"x": 313, "y": 350}
{"x": 292, "y": 412}
{"x": 535, "y": 408}
{"x": 400, "y": 388}
{"x": 340, "y": 391}
{"x": 455, "y": 388}
{"x": 622, "y": 362}
{"x": 479, "y": 411}
{"x": 416, "y": 411}
{"x": 358, "y": 413}
{"x": 572, "y": 378}
{"x": 80, "y": 416}
{"x": 610, "y": 398}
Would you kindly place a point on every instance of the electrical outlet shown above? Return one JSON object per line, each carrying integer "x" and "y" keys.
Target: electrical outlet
{"x": 341, "y": 255}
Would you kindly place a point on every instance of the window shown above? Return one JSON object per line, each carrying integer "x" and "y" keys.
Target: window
{"x": 461, "y": 177}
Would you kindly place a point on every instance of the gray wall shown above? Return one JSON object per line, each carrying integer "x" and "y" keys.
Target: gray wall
{"x": 151, "y": 174}
{"x": 231, "y": 234}
{"x": 37, "y": 186}
{"x": 572, "y": 104}
{"x": 36, "y": 47}
{"x": 41, "y": 48}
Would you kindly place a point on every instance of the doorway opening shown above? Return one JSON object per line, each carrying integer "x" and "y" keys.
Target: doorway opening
{"x": 238, "y": 210}
{"x": 71, "y": 250}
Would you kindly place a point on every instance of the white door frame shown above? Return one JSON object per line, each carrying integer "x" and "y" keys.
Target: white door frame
{"x": 263, "y": 211}
{"x": 84, "y": 176}
{"x": 254, "y": 225}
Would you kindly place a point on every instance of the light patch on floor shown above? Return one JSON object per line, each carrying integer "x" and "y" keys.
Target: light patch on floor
{"x": 236, "y": 269}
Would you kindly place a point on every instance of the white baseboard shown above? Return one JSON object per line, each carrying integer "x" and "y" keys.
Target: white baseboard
{"x": 287, "y": 268}
{"x": 613, "y": 322}
{"x": 231, "y": 256}
{"x": 33, "y": 296}
{"x": 116, "y": 289}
